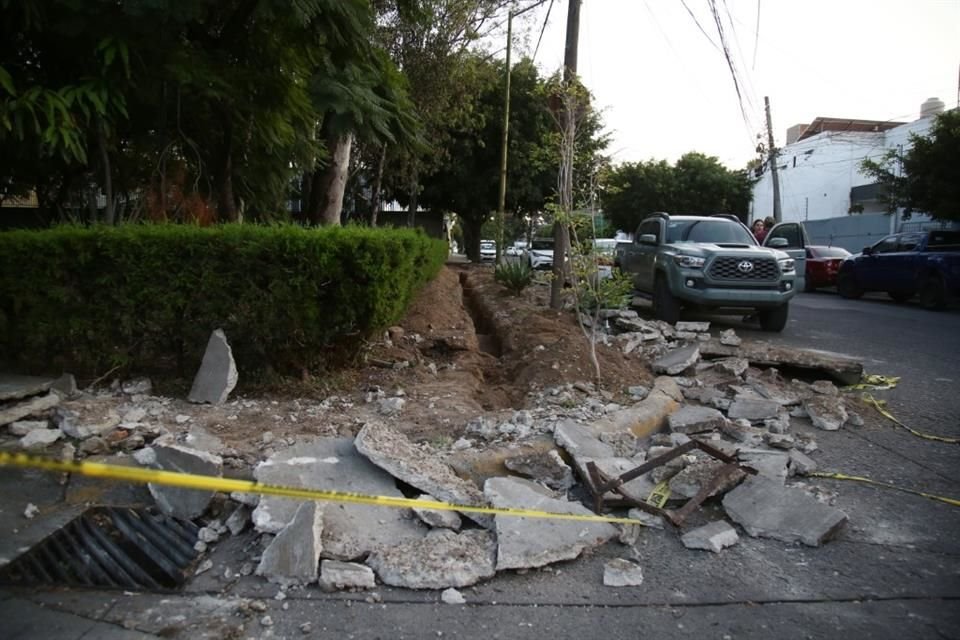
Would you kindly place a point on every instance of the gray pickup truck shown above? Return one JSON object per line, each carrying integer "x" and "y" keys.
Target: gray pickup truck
{"x": 713, "y": 263}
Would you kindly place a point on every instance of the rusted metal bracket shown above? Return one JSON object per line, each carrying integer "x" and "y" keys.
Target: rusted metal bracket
{"x": 600, "y": 484}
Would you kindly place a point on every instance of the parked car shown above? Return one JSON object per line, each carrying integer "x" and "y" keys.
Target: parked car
{"x": 923, "y": 264}
{"x": 488, "y": 250}
{"x": 823, "y": 265}
{"x": 540, "y": 253}
{"x": 714, "y": 263}
{"x": 516, "y": 249}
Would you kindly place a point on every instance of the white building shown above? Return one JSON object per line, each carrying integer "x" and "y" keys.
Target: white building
{"x": 819, "y": 167}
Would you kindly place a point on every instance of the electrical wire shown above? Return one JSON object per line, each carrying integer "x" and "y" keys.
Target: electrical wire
{"x": 542, "y": 29}
{"x": 699, "y": 26}
{"x": 756, "y": 38}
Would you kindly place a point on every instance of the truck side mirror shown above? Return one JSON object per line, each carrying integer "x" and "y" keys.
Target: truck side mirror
{"x": 777, "y": 243}
{"x": 867, "y": 251}
{"x": 648, "y": 238}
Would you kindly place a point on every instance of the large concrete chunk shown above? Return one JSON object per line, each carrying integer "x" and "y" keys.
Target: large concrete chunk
{"x": 547, "y": 468}
{"x": 84, "y": 421}
{"x": 711, "y": 537}
{"x": 694, "y": 419}
{"x": 14, "y": 387}
{"x": 767, "y": 509}
{"x": 346, "y": 575}
{"x": 581, "y": 441}
{"x": 443, "y": 559}
{"x": 392, "y": 451}
{"x": 293, "y": 556}
{"x": 40, "y": 438}
{"x": 677, "y": 361}
{"x": 753, "y": 409}
{"x": 826, "y": 412}
{"x": 647, "y": 416}
{"x": 174, "y": 501}
{"x": 438, "y": 519}
{"x": 350, "y": 530}
{"x": 622, "y": 573}
{"x": 694, "y": 477}
{"x": 838, "y": 366}
{"x": 218, "y": 372}
{"x": 16, "y": 411}
{"x": 534, "y": 542}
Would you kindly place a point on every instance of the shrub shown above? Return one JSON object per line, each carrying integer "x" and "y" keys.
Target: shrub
{"x": 515, "y": 276}
{"x": 606, "y": 293}
{"x": 147, "y": 296}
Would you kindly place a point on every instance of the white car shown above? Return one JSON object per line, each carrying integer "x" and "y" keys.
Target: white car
{"x": 540, "y": 253}
{"x": 488, "y": 250}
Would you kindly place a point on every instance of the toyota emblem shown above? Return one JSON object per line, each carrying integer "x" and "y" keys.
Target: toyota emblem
{"x": 745, "y": 267}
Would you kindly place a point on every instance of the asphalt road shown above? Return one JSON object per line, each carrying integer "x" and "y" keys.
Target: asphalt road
{"x": 894, "y": 571}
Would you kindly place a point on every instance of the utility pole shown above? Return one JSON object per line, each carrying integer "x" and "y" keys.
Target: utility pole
{"x": 561, "y": 236}
{"x": 777, "y": 215}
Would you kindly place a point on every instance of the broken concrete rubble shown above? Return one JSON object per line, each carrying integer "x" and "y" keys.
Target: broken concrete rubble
{"x": 85, "y": 421}
{"x": 392, "y": 451}
{"x": 18, "y": 410}
{"x": 436, "y": 518}
{"x": 442, "y": 559}
{"x": 23, "y": 427}
{"x": 174, "y": 501}
{"x": 40, "y": 438}
{"x": 753, "y": 409}
{"x": 801, "y": 464}
{"x": 677, "y": 360}
{"x": 346, "y": 575}
{"x": 734, "y": 366}
{"x": 217, "y": 375}
{"x": 452, "y": 596}
{"x": 767, "y": 509}
{"x": 826, "y": 412}
{"x": 293, "y": 556}
{"x": 533, "y": 542}
{"x": 547, "y": 468}
{"x": 694, "y": 419}
{"x": 711, "y": 537}
{"x": 768, "y": 464}
{"x": 14, "y": 387}
{"x": 694, "y": 327}
{"x": 693, "y": 477}
{"x": 622, "y": 573}
{"x": 350, "y": 531}
{"x": 842, "y": 368}
{"x": 647, "y": 416}
{"x": 729, "y": 337}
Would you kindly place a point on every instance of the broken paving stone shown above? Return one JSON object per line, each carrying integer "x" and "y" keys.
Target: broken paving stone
{"x": 767, "y": 509}
{"x": 217, "y": 375}
{"x": 524, "y": 543}
{"x": 65, "y": 385}
{"x": 842, "y": 368}
{"x": 694, "y": 419}
{"x": 753, "y": 409}
{"x": 638, "y": 392}
{"x": 646, "y": 518}
{"x": 630, "y": 324}
{"x": 688, "y": 482}
{"x": 734, "y": 366}
{"x": 677, "y": 361}
{"x": 23, "y": 427}
{"x": 437, "y": 518}
{"x": 392, "y": 451}
{"x": 772, "y": 391}
{"x": 94, "y": 445}
{"x": 346, "y": 575}
{"x": 730, "y": 338}
{"x": 174, "y": 501}
{"x": 647, "y": 416}
{"x": 711, "y": 537}
{"x": 768, "y": 464}
{"x": 85, "y": 421}
{"x": 443, "y": 559}
{"x": 622, "y": 573}
{"x": 137, "y": 386}
{"x": 14, "y": 387}
{"x": 825, "y": 387}
{"x": 695, "y": 327}
{"x": 238, "y": 520}
{"x": 547, "y": 468}
{"x": 778, "y": 425}
{"x": 40, "y": 438}
{"x": 741, "y": 431}
{"x": 624, "y": 443}
{"x": 801, "y": 464}
{"x": 452, "y": 596}
{"x": 22, "y": 409}
{"x": 826, "y": 412}
{"x": 780, "y": 440}
{"x": 293, "y": 555}
{"x": 581, "y": 442}
{"x": 350, "y": 530}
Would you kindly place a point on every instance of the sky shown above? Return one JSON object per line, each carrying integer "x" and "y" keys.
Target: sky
{"x": 666, "y": 89}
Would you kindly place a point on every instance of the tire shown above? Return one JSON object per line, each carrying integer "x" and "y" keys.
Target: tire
{"x": 774, "y": 319}
{"x": 899, "y": 297}
{"x": 665, "y": 306}
{"x": 847, "y": 287}
{"x": 808, "y": 286}
{"x": 933, "y": 293}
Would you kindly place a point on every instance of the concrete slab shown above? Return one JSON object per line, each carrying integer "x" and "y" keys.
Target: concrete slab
{"x": 753, "y": 409}
{"x": 14, "y": 387}
{"x": 767, "y": 509}
{"x": 840, "y": 367}
{"x": 350, "y": 531}
{"x": 438, "y": 519}
{"x": 547, "y": 468}
{"x": 826, "y": 412}
{"x": 174, "y": 501}
{"x": 711, "y": 537}
{"x": 294, "y": 555}
{"x": 346, "y": 575}
{"x": 443, "y": 559}
{"x": 392, "y": 451}
{"x": 677, "y": 360}
{"x": 217, "y": 375}
{"x": 695, "y": 419}
{"x": 17, "y": 410}
{"x": 533, "y": 542}
{"x": 622, "y": 573}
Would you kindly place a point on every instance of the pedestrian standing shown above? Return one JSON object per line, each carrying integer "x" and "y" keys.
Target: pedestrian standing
{"x": 759, "y": 230}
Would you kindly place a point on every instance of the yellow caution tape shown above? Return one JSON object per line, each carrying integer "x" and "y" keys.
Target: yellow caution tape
{"x": 880, "y": 405}
{"x": 874, "y": 381}
{"x": 212, "y": 483}
{"x": 660, "y": 494}
{"x": 842, "y": 476}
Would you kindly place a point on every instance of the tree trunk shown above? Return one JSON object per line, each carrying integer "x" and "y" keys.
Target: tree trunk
{"x": 377, "y": 186}
{"x": 472, "y": 230}
{"x": 109, "y": 212}
{"x": 326, "y": 192}
{"x": 226, "y": 203}
{"x": 412, "y": 207}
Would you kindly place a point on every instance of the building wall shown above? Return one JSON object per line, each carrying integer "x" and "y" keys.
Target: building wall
{"x": 816, "y": 174}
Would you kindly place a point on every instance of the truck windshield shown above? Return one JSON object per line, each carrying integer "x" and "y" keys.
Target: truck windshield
{"x": 711, "y": 231}
{"x": 542, "y": 245}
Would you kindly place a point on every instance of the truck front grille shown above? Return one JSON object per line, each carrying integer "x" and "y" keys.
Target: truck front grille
{"x": 735, "y": 269}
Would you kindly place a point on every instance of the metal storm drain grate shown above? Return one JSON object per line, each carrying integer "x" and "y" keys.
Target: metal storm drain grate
{"x": 110, "y": 547}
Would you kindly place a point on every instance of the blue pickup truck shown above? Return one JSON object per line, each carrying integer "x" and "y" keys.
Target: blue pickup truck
{"x": 923, "y": 264}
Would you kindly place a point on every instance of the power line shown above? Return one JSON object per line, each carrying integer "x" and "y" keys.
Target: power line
{"x": 699, "y": 26}
{"x": 542, "y": 29}
{"x": 756, "y": 38}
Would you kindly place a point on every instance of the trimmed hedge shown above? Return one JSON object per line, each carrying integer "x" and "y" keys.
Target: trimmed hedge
{"x": 146, "y": 297}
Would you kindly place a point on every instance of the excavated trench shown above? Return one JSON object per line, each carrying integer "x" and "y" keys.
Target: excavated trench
{"x": 487, "y": 338}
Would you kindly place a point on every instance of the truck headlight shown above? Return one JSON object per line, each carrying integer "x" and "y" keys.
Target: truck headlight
{"x": 786, "y": 265}
{"x": 690, "y": 262}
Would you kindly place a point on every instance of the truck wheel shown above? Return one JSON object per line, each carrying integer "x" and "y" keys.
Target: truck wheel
{"x": 774, "y": 319}
{"x": 665, "y": 306}
{"x": 899, "y": 296}
{"x": 933, "y": 294}
{"x": 847, "y": 287}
